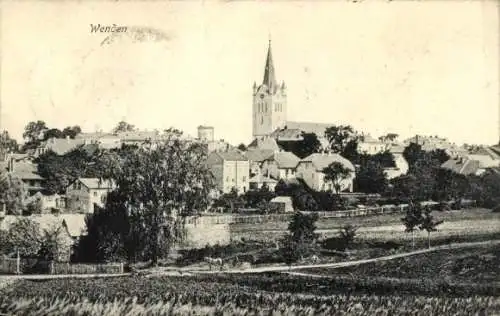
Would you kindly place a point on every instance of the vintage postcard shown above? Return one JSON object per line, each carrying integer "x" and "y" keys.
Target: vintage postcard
{"x": 249, "y": 157}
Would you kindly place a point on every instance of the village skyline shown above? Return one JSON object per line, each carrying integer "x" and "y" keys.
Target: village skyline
{"x": 361, "y": 68}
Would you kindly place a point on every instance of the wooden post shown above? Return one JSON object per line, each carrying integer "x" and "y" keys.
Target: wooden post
{"x": 18, "y": 264}
{"x": 52, "y": 267}
{"x": 121, "y": 267}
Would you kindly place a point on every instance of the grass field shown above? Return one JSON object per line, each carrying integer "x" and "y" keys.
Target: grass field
{"x": 463, "y": 223}
{"x": 476, "y": 265}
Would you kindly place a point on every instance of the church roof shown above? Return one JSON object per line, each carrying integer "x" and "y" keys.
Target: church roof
{"x": 269, "y": 75}
{"x": 309, "y": 127}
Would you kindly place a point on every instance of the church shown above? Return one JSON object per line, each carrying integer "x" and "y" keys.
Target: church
{"x": 270, "y": 110}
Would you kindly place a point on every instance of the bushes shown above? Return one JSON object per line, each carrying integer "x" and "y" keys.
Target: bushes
{"x": 496, "y": 209}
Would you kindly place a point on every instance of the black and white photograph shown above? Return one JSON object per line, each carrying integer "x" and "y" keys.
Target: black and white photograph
{"x": 269, "y": 158}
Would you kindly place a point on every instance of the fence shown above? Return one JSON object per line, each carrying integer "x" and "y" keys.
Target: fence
{"x": 20, "y": 266}
{"x": 79, "y": 268}
{"x": 369, "y": 211}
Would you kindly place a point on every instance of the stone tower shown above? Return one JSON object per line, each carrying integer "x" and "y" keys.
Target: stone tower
{"x": 269, "y": 102}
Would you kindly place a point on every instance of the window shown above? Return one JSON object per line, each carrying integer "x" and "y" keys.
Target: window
{"x": 95, "y": 193}
{"x": 244, "y": 178}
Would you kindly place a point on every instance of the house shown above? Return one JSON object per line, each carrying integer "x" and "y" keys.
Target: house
{"x": 60, "y": 146}
{"x": 280, "y": 165}
{"x": 47, "y": 203}
{"x": 400, "y": 169}
{"x": 27, "y": 172}
{"x": 310, "y": 170}
{"x": 83, "y": 193}
{"x": 282, "y": 204}
{"x": 258, "y": 181}
{"x": 256, "y": 158}
{"x": 371, "y": 146}
{"x": 138, "y": 137}
{"x": 230, "y": 169}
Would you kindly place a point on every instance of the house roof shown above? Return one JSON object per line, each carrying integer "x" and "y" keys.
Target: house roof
{"x": 321, "y": 161}
{"x": 268, "y": 143}
{"x": 285, "y": 159}
{"x": 462, "y": 166}
{"x": 259, "y": 155}
{"x": 309, "y": 127}
{"x": 138, "y": 135}
{"x": 485, "y": 160}
{"x": 227, "y": 155}
{"x": 62, "y": 146}
{"x": 75, "y": 223}
{"x": 290, "y": 134}
{"x": 24, "y": 170}
{"x": 95, "y": 183}
{"x": 259, "y": 178}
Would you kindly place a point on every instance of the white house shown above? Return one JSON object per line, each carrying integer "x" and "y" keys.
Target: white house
{"x": 83, "y": 193}
{"x": 256, "y": 182}
{"x": 230, "y": 169}
{"x": 282, "y": 204}
{"x": 280, "y": 165}
{"x": 310, "y": 169}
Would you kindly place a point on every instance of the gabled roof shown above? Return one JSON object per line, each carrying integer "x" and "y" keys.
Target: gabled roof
{"x": 285, "y": 159}
{"x": 281, "y": 199}
{"x": 321, "y": 161}
{"x": 264, "y": 143}
{"x": 75, "y": 223}
{"x": 259, "y": 155}
{"x": 95, "y": 183}
{"x": 309, "y": 127}
{"x": 62, "y": 146}
{"x": 462, "y": 166}
{"x": 217, "y": 157}
{"x": 25, "y": 170}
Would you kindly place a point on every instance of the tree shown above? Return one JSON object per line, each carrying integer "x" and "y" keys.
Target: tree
{"x": 158, "y": 186}
{"x": 24, "y": 236}
{"x": 71, "y": 131}
{"x": 12, "y": 193}
{"x": 34, "y": 207}
{"x": 301, "y": 236}
{"x": 242, "y": 147}
{"x": 429, "y": 224}
{"x": 336, "y": 172}
{"x": 123, "y": 126}
{"x": 7, "y": 143}
{"x": 413, "y": 219}
{"x": 412, "y": 153}
{"x": 34, "y": 134}
{"x": 390, "y": 137}
{"x": 340, "y": 136}
{"x": 370, "y": 178}
{"x": 309, "y": 144}
{"x": 347, "y": 234}
{"x": 52, "y": 133}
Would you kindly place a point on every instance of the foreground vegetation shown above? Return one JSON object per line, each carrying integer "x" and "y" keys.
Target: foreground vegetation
{"x": 271, "y": 294}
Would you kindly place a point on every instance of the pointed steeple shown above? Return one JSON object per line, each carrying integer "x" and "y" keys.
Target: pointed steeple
{"x": 269, "y": 76}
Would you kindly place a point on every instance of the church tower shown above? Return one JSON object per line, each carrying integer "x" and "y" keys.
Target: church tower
{"x": 269, "y": 102}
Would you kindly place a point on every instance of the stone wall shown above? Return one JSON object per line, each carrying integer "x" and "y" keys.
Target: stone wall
{"x": 209, "y": 230}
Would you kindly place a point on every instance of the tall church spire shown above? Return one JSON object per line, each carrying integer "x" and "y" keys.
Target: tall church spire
{"x": 269, "y": 76}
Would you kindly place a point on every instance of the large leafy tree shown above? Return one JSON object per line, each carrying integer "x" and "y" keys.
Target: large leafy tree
{"x": 343, "y": 139}
{"x": 370, "y": 178}
{"x": 158, "y": 185}
{"x": 12, "y": 193}
{"x": 7, "y": 144}
{"x": 413, "y": 219}
{"x": 34, "y": 134}
{"x": 309, "y": 144}
{"x": 123, "y": 126}
{"x": 429, "y": 224}
{"x": 336, "y": 172}
{"x": 71, "y": 131}
{"x": 301, "y": 236}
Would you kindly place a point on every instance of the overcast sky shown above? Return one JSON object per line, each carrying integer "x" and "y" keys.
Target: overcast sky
{"x": 405, "y": 67}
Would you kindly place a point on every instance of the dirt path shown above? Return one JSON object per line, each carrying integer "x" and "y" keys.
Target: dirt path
{"x": 356, "y": 262}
